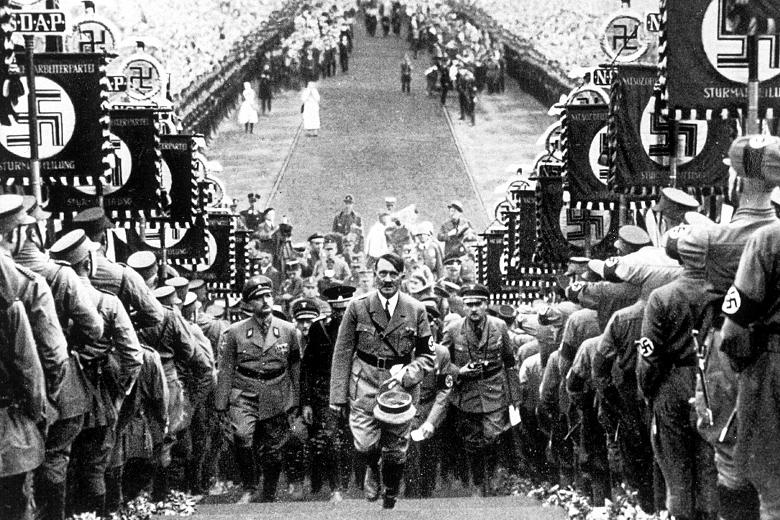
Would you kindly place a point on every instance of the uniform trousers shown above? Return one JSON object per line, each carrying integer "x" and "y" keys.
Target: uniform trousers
{"x": 480, "y": 433}
{"x": 371, "y": 435}
{"x": 51, "y": 476}
{"x": 329, "y": 449}
{"x": 90, "y": 456}
{"x": 423, "y": 458}
{"x": 685, "y": 458}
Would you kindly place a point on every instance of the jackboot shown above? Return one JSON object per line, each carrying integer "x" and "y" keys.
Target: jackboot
{"x": 50, "y": 499}
{"x": 477, "y": 463}
{"x": 160, "y": 484}
{"x": 491, "y": 463}
{"x": 245, "y": 460}
{"x": 271, "y": 471}
{"x": 371, "y": 479}
{"x": 392, "y": 473}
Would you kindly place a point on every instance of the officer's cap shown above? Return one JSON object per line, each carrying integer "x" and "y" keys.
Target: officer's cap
{"x": 256, "y": 287}
{"x": 310, "y": 282}
{"x": 631, "y": 238}
{"x": 305, "y": 309}
{"x": 507, "y": 312}
{"x": 196, "y": 284}
{"x": 299, "y": 247}
{"x": 292, "y": 264}
{"x": 474, "y": 292}
{"x": 349, "y": 199}
{"x": 12, "y": 212}
{"x": 456, "y": 204}
{"x": 452, "y": 259}
{"x": 577, "y": 265}
{"x": 756, "y": 157}
{"x": 141, "y": 260}
{"x": 93, "y": 221}
{"x": 445, "y": 289}
{"x": 177, "y": 282}
{"x": 166, "y": 295}
{"x": 694, "y": 218}
{"x": 549, "y": 315}
{"x": 338, "y": 295}
{"x": 189, "y": 300}
{"x": 34, "y": 209}
{"x": 72, "y": 247}
{"x": 673, "y": 201}
{"x": 316, "y": 236}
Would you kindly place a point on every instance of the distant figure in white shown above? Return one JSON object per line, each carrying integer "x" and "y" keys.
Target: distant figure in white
{"x": 310, "y": 99}
{"x": 247, "y": 112}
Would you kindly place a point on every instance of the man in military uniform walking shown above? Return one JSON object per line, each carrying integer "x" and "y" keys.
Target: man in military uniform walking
{"x": 487, "y": 383}
{"x": 384, "y": 336}
{"x": 329, "y": 438}
{"x": 258, "y": 387}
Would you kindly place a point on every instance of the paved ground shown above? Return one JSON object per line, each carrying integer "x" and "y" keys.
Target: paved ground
{"x": 376, "y": 141}
{"x": 498, "y": 508}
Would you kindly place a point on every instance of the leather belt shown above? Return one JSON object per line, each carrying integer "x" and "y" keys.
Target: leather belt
{"x": 383, "y": 363}
{"x": 256, "y": 374}
{"x": 484, "y": 373}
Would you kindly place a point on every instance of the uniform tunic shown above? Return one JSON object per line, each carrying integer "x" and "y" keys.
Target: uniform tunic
{"x": 484, "y": 398}
{"x": 404, "y": 339}
{"x": 259, "y": 380}
{"x": 754, "y": 301}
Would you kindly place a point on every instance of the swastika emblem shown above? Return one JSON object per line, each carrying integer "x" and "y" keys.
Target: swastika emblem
{"x": 625, "y": 38}
{"x": 654, "y": 129}
{"x": 727, "y": 52}
{"x": 56, "y": 121}
{"x": 732, "y": 302}
{"x": 645, "y": 346}
{"x": 144, "y": 77}
{"x": 572, "y": 224}
{"x": 92, "y": 36}
{"x": 598, "y": 147}
{"x": 172, "y": 236}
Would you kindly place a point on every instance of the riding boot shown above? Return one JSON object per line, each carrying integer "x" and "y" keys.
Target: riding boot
{"x": 160, "y": 484}
{"x": 271, "y": 471}
{"x": 371, "y": 479}
{"x": 490, "y": 463}
{"x": 392, "y": 473}
{"x": 245, "y": 459}
{"x": 477, "y": 463}
{"x": 50, "y": 499}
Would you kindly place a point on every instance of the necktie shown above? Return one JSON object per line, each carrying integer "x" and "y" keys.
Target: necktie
{"x": 387, "y": 310}
{"x": 478, "y": 332}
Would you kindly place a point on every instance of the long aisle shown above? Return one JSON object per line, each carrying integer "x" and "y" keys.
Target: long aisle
{"x": 375, "y": 141}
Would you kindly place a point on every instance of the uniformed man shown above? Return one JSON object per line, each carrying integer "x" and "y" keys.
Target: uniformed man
{"x": 487, "y": 383}
{"x": 750, "y": 338}
{"x": 258, "y": 387}
{"x": 348, "y": 221}
{"x": 22, "y": 407}
{"x": 116, "y": 278}
{"x": 750, "y": 192}
{"x": 36, "y": 296}
{"x": 178, "y": 350}
{"x": 454, "y": 230}
{"x": 452, "y": 270}
{"x": 80, "y": 319}
{"x": 181, "y": 285}
{"x": 384, "y": 340}
{"x": 251, "y": 217}
{"x": 111, "y": 365}
{"x": 145, "y": 264}
{"x": 435, "y": 389}
{"x": 329, "y": 439}
{"x": 666, "y": 375}
{"x": 577, "y": 267}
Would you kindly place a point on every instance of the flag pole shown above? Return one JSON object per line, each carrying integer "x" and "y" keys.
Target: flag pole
{"x": 32, "y": 120}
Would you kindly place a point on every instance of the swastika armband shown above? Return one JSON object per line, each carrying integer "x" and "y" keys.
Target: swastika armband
{"x": 444, "y": 381}
{"x": 740, "y": 308}
{"x": 610, "y": 270}
{"x": 573, "y": 291}
{"x": 645, "y": 347}
{"x": 424, "y": 346}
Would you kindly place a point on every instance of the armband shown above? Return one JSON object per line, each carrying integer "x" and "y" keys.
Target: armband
{"x": 573, "y": 291}
{"x": 424, "y": 346}
{"x": 740, "y": 308}
{"x": 444, "y": 381}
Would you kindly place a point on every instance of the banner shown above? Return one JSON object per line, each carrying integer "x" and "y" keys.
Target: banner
{"x": 178, "y": 178}
{"x": 639, "y": 139}
{"x": 218, "y": 268}
{"x": 71, "y": 121}
{"x": 132, "y": 188}
{"x": 704, "y": 57}
{"x": 561, "y": 231}
{"x": 586, "y": 152}
{"x": 182, "y": 246}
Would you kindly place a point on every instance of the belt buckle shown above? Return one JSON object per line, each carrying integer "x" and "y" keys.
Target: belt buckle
{"x": 381, "y": 363}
